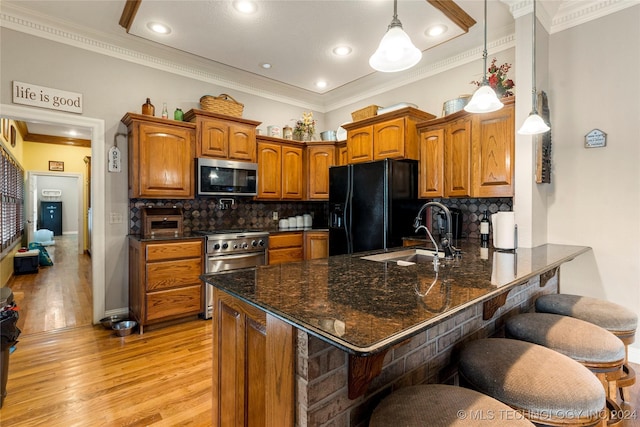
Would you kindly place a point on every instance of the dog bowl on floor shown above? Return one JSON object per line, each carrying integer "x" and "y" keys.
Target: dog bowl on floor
{"x": 124, "y": 328}
{"x": 108, "y": 322}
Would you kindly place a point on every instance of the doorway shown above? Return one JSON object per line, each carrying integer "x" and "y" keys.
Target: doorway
{"x": 70, "y": 186}
{"x": 98, "y": 187}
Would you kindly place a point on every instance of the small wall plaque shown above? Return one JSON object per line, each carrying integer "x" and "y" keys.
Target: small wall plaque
{"x": 594, "y": 139}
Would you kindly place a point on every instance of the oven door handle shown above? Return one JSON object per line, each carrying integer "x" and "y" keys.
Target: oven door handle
{"x": 236, "y": 256}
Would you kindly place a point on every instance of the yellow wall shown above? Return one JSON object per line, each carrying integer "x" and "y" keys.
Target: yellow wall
{"x": 37, "y": 156}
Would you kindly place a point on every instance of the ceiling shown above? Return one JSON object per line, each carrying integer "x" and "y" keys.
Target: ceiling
{"x": 295, "y": 36}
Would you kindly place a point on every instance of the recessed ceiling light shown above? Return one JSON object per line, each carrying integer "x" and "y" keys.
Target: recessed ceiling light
{"x": 159, "y": 28}
{"x": 436, "y": 30}
{"x": 73, "y": 133}
{"x": 245, "y": 6}
{"x": 342, "y": 50}
{"x": 321, "y": 84}
{"x": 265, "y": 65}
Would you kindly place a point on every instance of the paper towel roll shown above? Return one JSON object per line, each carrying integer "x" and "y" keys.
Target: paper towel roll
{"x": 504, "y": 230}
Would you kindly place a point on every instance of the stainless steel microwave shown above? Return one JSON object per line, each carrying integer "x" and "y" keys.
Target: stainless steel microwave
{"x": 226, "y": 178}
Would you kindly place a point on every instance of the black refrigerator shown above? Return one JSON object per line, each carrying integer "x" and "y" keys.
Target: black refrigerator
{"x": 372, "y": 205}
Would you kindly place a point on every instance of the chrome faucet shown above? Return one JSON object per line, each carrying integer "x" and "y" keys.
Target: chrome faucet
{"x": 445, "y": 242}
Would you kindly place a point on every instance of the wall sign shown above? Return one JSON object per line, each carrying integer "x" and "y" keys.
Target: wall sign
{"x": 45, "y": 97}
{"x": 594, "y": 139}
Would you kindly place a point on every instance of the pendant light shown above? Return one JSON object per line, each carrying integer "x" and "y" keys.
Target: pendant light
{"x": 484, "y": 99}
{"x": 534, "y": 124}
{"x": 395, "y": 52}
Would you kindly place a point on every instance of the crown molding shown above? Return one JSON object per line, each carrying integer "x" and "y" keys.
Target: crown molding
{"x": 557, "y": 16}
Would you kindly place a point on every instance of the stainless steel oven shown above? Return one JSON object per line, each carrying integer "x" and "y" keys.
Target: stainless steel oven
{"x": 232, "y": 250}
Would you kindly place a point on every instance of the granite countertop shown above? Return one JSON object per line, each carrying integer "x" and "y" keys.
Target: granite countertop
{"x": 364, "y": 306}
{"x": 199, "y": 235}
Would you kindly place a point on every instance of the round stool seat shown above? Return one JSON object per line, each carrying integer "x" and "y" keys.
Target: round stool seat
{"x": 547, "y": 386}
{"x": 582, "y": 341}
{"x": 438, "y": 405}
{"x": 613, "y": 317}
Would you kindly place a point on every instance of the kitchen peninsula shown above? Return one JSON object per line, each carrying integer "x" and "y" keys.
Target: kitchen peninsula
{"x": 324, "y": 340}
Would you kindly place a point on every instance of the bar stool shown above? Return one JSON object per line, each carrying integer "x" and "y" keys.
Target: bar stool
{"x": 439, "y": 405}
{"x": 613, "y": 317}
{"x": 592, "y": 346}
{"x": 549, "y": 388}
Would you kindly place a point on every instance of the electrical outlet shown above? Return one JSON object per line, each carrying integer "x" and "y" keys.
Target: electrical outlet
{"x": 274, "y": 216}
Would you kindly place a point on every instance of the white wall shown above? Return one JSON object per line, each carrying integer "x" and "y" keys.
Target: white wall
{"x": 595, "y": 193}
{"x": 69, "y": 187}
{"x": 112, "y": 87}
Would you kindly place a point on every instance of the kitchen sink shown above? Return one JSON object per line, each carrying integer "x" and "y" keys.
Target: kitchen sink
{"x": 406, "y": 257}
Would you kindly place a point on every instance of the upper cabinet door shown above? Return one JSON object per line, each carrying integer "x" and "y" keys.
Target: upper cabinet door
{"x": 161, "y": 157}
{"x": 269, "y": 170}
{"x": 292, "y": 182}
{"x": 166, "y": 162}
{"x": 457, "y": 158}
{"x": 389, "y": 139}
{"x": 319, "y": 160}
{"x": 242, "y": 143}
{"x": 431, "y": 173}
{"x": 360, "y": 145}
{"x": 493, "y": 151}
{"x": 214, "y": 135}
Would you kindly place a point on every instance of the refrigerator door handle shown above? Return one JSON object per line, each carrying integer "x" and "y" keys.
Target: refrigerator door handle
{"x": 347, "y": 210}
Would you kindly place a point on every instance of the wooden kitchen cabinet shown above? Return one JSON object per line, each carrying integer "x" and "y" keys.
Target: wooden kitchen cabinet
{"x": 286, "y": 247}
{"x": 161, "y": 157}
{"x": 316, "y": 244}
{"x": 468, "y": 155}
{"x": 318, "y": 159}
{"x": 341, "y": 153}
{"x": 390, "y": 135}
{"x": 253, "y": 366}
{"x": 164, "y": 280}
{"x": 224, "y": 137}
{"x": 280, "y": 169}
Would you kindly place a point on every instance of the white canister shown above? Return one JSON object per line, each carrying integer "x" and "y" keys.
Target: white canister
{"x": 292, "y": 222}
{"x": 308, "y": 221}
{"x": 299, "y": 221}
{"x": 274, "y": 131}
{"x": 283, "y": 223}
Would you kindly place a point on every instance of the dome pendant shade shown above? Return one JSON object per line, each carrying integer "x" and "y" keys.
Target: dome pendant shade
{"x": 484, "y": 100}
{"x": 396, "y": 52}
{"x": 533, "y": 125}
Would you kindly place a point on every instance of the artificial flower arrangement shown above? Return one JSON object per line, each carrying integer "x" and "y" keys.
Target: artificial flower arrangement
{"x": 305, "y": 126}
{"x": 498, "y": 81}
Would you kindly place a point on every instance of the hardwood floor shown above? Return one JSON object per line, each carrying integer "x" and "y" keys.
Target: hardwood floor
{"x": 86, "y": 376}
{"x": 58, "y": 296}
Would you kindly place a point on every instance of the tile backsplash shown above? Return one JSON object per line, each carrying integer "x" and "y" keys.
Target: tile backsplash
{"x": 206, "y": 214}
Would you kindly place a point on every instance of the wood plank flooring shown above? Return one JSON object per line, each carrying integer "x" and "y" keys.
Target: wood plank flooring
{"x": 87, "y": 376}
{"x": 59, "y": 296}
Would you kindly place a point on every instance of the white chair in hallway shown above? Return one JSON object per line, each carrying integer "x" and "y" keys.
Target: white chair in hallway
{"x": 44, "y": 237}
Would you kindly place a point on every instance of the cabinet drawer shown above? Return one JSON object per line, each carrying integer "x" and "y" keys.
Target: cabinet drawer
{"x": 277, "y": 256}
{"x": 174, "y": 302}
{"x": 173, "y": 274}
{"x": 162, "y": 251}
{"x": 286, "y": 240}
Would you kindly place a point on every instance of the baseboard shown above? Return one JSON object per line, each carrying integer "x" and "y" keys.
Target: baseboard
{"x": 634, "y": 355}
